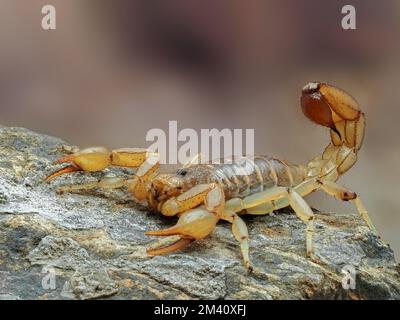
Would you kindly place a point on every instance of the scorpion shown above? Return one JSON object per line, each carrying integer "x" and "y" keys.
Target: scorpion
{"x": 201, "y": 194}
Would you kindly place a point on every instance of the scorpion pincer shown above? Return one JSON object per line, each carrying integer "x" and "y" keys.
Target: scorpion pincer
{"x": 201, "y": 194}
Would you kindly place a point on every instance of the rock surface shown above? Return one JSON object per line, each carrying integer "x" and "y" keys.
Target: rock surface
{"x": 92, "y": 245}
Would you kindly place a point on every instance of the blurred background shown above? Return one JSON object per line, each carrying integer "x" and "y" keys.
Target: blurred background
{"x": 112, "y": 70}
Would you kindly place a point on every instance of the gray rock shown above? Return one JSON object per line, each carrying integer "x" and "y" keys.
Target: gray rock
{"x": 92, "y": 245}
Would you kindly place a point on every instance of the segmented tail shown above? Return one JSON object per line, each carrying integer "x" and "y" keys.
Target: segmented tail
{"x": 334, "y": 108}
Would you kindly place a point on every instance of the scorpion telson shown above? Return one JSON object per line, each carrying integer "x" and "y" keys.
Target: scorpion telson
{"x": 202, "y": 194}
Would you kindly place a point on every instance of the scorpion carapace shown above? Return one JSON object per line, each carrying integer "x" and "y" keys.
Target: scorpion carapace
{"x": 201, "y": 194}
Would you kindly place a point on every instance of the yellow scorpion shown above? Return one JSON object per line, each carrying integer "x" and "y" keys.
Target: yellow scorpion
{"x": 201, "y": 194}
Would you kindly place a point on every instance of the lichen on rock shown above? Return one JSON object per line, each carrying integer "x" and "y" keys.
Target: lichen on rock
{"x": 93, "y": 244}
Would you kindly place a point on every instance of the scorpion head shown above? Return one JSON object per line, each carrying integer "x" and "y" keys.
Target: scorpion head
{"x": 167, "y": 185}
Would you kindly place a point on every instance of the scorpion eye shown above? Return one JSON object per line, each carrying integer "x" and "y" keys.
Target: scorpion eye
{"x": 182, "y": 172}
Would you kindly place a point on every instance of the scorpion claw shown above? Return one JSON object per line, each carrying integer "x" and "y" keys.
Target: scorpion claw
{"x": 192, "y": 225}
{"x": 89, "y": 160}
{"x": 64, "y": 159}
{"x": 179, "y": 244}
{"x": 175, "y": 230}
{"x": 57, "y": 173}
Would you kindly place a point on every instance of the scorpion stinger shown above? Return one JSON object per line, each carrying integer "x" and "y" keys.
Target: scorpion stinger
{"x": 201, "y": 194}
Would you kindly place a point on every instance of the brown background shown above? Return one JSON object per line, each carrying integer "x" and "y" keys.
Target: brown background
{"x": 115, "y": 69}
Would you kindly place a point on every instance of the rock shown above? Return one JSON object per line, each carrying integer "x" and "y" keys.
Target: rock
{"x": 92, "y": 245}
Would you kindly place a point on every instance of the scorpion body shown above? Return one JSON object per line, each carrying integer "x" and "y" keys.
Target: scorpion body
{"x": 245, "y": 176}
{"x": 201, "y": 194}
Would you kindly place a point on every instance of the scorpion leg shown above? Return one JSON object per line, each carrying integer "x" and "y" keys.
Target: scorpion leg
{"x": 280, "y": 197}
{"x": 210, "y": 194}
{"x": 304, "y": 188}
{"x": 105, "y": 183}
{"x": 263, "y": 197}
{"x": 239, "y": 230}
{"x": 145, "y": 172}
{"x": 260, "y": 203}
{"x": 305, "y": 213}
{"x": 193, "y": 223}
{"x": 344, "y": 194}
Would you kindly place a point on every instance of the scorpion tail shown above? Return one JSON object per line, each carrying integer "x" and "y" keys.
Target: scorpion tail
{"x": 334, "y": 108}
